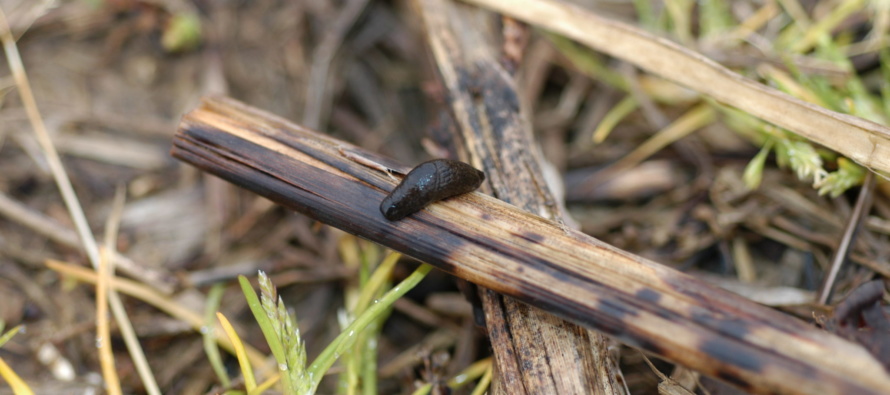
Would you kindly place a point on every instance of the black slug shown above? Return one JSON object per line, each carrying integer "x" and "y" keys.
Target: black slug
{"x": 430, "y": 182}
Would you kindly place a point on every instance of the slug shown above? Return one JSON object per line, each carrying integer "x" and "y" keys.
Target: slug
{"x": 427, "y": 183}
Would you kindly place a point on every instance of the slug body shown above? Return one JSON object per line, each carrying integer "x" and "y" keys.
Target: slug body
{"x": 427, "y": 183}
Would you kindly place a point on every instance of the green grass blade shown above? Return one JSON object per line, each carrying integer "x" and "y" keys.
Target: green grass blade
{"x": 9, "y": 334}
{"x": 266, "y": 326}
{"x": 348, "y": 337}
{"x": 210, "y": 348}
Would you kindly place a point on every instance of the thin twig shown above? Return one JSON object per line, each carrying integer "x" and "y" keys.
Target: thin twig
{"x": 316, "y": 88}
{"x": 58, "y": 233}
{"x": 863, "y": 204}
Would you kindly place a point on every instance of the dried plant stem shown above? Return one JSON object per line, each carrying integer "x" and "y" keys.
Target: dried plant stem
{"x": 513, "y": 252}
{"x": 863, "y": 141}
{"x": 15, "y": 382}
{"x": 154, "y": 298}
{"x": 106, "y": 272}
{"x": 317, "y": 93}
{"x": 58, "y": 233}
{"x": 243, "y": 360}
{"x": 65, "y": 188}
{"x": 863, "y": 204}
{"x": 490, "y": 132}
{"x": 40, "y": 132}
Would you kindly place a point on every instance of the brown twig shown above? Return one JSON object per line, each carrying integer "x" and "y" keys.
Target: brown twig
{"x": 535, "y": 352}
{"x": 863, "y": 204}
{"x": 317, "y": 91}
{"x": 540, "y": 262}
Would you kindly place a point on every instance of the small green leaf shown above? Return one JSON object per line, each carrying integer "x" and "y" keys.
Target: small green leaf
{"x": 848, "y": 175}
{"x": 754, "y": 171}
{"x": 182, "y": 34}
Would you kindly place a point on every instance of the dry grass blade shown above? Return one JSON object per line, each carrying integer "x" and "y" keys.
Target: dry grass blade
{"x": 58, "y": 233}
{"x": 498, "y": 246}
{"x": 695, "y": 119}
{"x": 317, "y": 90}
{"x": 19, "y": 387}
{"x": 863, "y": 204}
{"x": 238, "y": 345}
{"x": 152, "y": 297}
{"x": 863, "y": 141}
{"x": 535, "y": 352}
{"x": 46, "y": 144}
{"x": 64, "y": 183}
{"x": 106, "y": 272}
